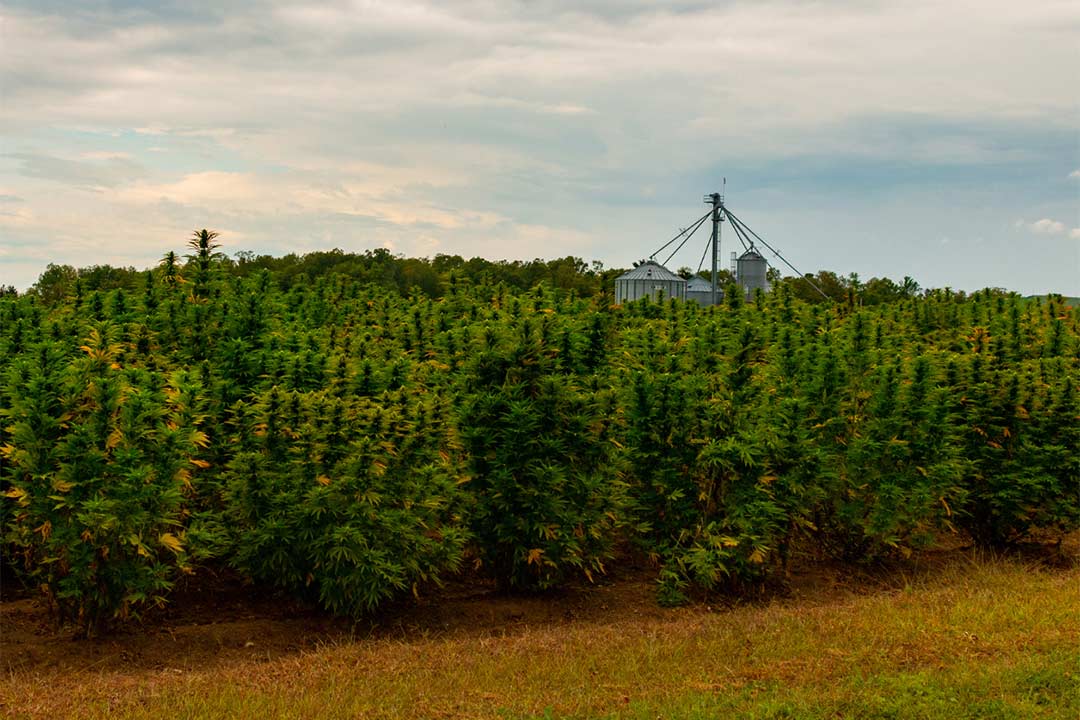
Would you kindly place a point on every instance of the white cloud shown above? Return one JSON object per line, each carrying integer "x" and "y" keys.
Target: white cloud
{"x": 1074, "y": 234}
{"x": 521, "y": 129}
{"x": 1075, "y": 175}
{"x": 1046, "y": 226}
{"x": 104, "y": 155}
{"x": 222, "y": 189}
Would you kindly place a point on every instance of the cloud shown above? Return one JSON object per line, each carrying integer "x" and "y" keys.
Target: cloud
{"x": 248, "y": 195}
{"x": 1075, "y": 175}
{"x": 1046, "y": 226}
{"x": 222, "y": 189}
{"x": 105, "y": 155}
{"x": 98, "y": 170}
{"x": 1074, "y": 234}
{"x": 523, "y": 129}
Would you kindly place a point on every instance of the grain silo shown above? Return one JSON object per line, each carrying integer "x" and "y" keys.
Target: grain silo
{"x": 699, "y": 290}
{"x": 650, "y": 279}
{"x": 750, "y": 272}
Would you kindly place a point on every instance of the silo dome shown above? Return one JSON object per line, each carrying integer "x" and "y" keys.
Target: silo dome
{"x": 750, "y": 272}
{"x": 699, "y": 290}
{"x": 649, "y": 279}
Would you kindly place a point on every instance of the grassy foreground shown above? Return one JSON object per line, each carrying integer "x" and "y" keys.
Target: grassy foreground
{"x": 985, "y": 638}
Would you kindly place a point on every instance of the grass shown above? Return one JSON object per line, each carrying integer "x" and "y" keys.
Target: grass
{"x": 986, "y": 638}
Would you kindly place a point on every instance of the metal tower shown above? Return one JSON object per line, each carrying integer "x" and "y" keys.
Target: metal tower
{"x": 717, "y": 202}
{"x": 719, "y": 212}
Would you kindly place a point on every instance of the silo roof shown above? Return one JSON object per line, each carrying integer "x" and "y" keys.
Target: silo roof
{"x": 751, "y": 255}
{"x": 698, "y": 284}
{"x": 650, "y": 271}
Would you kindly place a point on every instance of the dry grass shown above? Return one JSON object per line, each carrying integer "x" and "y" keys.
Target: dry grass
{"x": 981, "y": 638}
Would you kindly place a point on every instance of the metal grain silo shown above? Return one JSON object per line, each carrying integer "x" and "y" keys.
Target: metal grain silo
{"x": 649, "y": 279}
{"x": 699, "y": 290}
{"x": 751, "y": 269}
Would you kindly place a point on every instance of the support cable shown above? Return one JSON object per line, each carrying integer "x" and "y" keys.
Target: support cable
{"x": 736, "y": 220}
{"x": 680, "y": 247}
{"x": 705, "y": 254}
{"x": 661, "y": 248}
{"x": 741, "y": 234}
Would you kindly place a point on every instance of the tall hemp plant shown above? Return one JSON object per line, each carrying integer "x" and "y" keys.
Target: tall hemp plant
{"x": 546, "y": 495}
{"x": 346, "y": 520}
{"x": 204, "y": 253}
{"x": 99, "y": 460}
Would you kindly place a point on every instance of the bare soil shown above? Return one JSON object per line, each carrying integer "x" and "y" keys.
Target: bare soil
{"x": 214, "y": 619}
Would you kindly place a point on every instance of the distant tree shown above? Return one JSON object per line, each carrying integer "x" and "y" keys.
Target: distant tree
{"x": 723, "y": 277}
{"x": 107, "y": 277}
{"x": 879, "y": 290}
{"x": 834, "y": 287}
{"x": 909, "y": 288}
{"x": 54, "y": 283}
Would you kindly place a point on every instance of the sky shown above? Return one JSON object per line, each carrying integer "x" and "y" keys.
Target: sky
{"x": 933, "y": 139}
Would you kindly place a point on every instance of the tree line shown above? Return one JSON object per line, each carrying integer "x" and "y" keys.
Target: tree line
{"x": 430, "y": 276}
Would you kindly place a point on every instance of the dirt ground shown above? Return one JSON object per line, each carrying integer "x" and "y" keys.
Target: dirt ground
{"x": 214, "y": 619}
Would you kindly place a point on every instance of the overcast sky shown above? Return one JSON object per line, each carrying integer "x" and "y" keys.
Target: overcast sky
{"x": 939, "y": 140}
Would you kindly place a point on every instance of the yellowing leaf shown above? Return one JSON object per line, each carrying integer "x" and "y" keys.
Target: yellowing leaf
{"x": 757, "y": 556}
{"x": 322, "y": 480}
{"x": 534, "y": 556}
{"x": 200, "y": 463}
{"x": 62, "y": 485}
{"x": 172, "y": 542}
{"x": 115, "y": 438}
